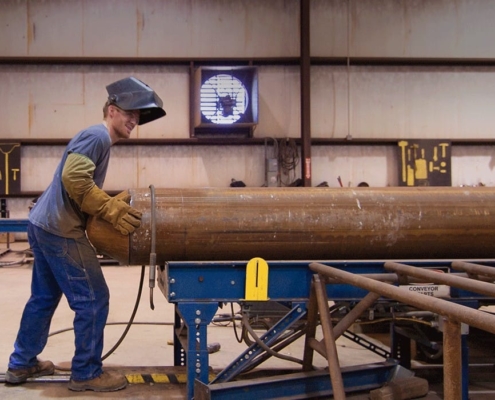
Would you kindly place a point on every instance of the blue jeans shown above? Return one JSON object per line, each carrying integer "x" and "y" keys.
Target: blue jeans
{"x": 67, "y": 266}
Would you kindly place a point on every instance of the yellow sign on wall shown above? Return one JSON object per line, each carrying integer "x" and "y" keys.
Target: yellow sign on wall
{"x": 10, "y": 168}
{"x": 425, "y": 162}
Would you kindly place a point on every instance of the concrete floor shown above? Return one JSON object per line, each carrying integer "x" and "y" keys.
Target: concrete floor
{"x": 147, "y": 347}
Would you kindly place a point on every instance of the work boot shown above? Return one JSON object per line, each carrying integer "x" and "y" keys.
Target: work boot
{"x": 108, "y": 381}
{"x": 21, "y": 375}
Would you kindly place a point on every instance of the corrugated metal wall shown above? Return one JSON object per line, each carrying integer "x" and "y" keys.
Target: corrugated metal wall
{"x": 41, "y": 99}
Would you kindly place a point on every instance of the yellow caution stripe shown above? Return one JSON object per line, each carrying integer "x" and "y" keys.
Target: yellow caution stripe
{"x": 159, "y": 378}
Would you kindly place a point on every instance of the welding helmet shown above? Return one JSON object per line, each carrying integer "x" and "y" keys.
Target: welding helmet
{"x": 132, "y": 94}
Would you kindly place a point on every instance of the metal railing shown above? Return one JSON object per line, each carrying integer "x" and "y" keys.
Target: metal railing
{"x": 453, "y": 314}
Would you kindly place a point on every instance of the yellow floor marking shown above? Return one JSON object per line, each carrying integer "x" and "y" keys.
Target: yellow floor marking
{"x": 160, "y": 378}
{"x": 134, "y": 378}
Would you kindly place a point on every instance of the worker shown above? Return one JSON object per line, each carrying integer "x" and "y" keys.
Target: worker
{"x": 64, "y": 260}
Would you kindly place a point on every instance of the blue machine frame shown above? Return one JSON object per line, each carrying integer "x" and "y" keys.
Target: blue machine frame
{"x": 198, "y": 288}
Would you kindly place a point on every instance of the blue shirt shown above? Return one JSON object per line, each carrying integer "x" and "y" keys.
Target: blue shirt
{"x": 55, "y": 211}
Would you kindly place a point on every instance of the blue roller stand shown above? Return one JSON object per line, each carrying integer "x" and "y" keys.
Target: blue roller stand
{"x": 196, "y": 317}
{"x": 13, "y": 225}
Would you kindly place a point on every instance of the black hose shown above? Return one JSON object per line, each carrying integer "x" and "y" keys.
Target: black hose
{"x": 259, "y": 342}
{"x": 136, "y": 306}
{"x": 124, "y": 334}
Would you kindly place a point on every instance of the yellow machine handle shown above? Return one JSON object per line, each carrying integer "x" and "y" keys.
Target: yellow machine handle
{"x": 257, "y": 280}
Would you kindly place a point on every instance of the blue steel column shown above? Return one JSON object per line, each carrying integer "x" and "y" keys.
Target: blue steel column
{"x": 196, "y": 317}
{"x": 179, "y": 351}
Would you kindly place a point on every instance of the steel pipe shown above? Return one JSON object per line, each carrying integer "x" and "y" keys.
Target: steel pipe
{"x": 452, "y": 360}
{"x": 329, "y": 340}
{"x": 217, "y": 224}
{"x": 353, "y": 315}
{"x": 465, "y": 283}
{"x": 474, "y": 269}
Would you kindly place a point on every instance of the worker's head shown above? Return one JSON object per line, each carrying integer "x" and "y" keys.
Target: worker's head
{"x": 132, "y": 97}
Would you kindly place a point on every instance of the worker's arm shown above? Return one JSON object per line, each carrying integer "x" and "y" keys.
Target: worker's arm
{"x": 77, "y": 178}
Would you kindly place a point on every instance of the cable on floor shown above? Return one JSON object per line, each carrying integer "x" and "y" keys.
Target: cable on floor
{"x": 27, "y": 253}
{"x": 129, "y": 323}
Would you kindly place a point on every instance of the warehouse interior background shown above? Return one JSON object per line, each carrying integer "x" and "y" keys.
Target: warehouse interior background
{"x": 343, "y": 84}
{"x": 379, "y": 72}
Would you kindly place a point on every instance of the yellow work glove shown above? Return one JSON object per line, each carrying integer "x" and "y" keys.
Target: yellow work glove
{"x": 115, "y": 210}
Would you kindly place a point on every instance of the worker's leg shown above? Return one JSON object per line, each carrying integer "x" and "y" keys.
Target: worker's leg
{"x": 39, "y": 310}
{"x": 79, "y": 274}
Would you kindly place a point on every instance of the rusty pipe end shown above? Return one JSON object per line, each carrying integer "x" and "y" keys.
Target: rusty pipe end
{"x": 108, "y": 241}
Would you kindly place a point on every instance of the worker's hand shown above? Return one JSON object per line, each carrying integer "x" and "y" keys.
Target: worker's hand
{"x": 128, "y": 222}
{"x": 115, "y": 210}
{"x": 121, "y": 215}
{"x": 124, "y": 196}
